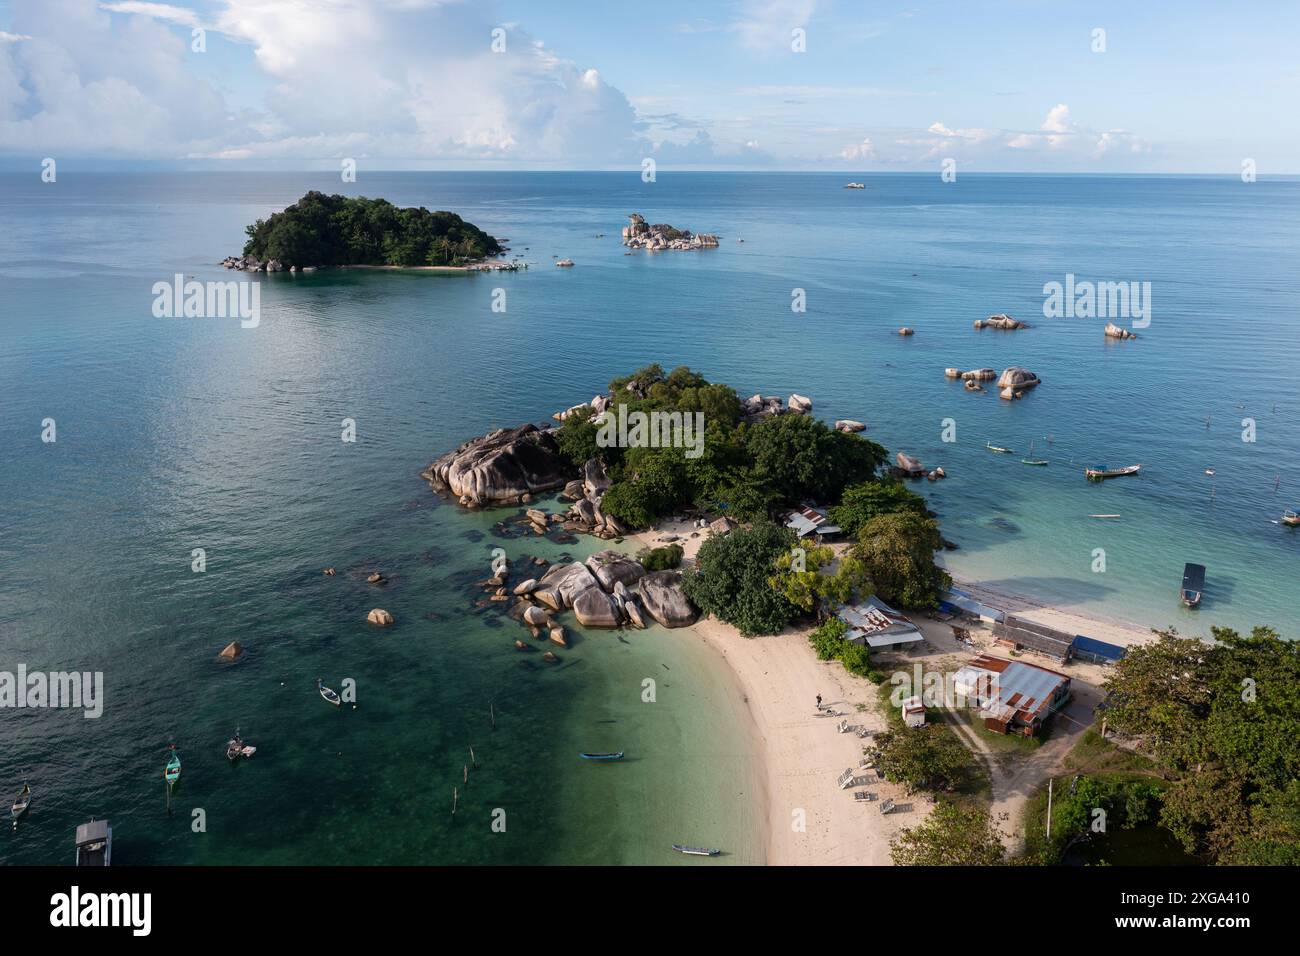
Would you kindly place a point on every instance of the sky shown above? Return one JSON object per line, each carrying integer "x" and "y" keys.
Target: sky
{"x": 865, "y": 86}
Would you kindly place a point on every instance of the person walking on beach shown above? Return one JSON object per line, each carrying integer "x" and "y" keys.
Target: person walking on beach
{"x": 819, "y": 701}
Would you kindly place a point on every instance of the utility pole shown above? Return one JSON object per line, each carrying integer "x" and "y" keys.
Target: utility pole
{"x": 1050, "y": 781}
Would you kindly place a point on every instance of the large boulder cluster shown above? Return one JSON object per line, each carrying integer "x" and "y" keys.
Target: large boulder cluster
{"x": 609, "y": 590}
{"x": 507, "y": 466}
{"x": 639, "y": 234}
{"x": 759, "y": 407}
{"x": 253, "y": 264}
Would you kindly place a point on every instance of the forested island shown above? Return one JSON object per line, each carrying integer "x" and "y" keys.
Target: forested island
{"x": 320, "y": 230}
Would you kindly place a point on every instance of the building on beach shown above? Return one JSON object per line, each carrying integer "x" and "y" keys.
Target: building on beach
{"x": 1021, "y": 635}
{"x": 877, "y": 625}
{"x": 1097, "y": 652}
{"x": 955, "y": 601}
{"x": 1013, "y": 697}
{"x": 807, "y": 520}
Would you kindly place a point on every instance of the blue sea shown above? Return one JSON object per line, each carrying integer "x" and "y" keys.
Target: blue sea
{"x": 183, "y": 434}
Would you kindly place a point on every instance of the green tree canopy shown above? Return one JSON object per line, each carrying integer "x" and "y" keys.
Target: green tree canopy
{"x": 1222, "y": 719}
{"x": 803, "y": 458}
{"x": 897, "y": 551}
{"x": 870, "y": 499}
{"x": 955, "y": 834}
{"x": 731, "y": 578}
{"x": 321, "y": 230}
{"x": 922, "y": 758}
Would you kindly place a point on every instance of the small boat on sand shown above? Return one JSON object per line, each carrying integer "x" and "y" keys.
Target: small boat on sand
{"x": 1102, "y": 472}
{"x": 605, "y": 756}
{"x": 21, "y": 804}
{"x": 1193, "y": 584}
{"x": 330, "y": 696}
{"x": 695, "y": 850}
{"x": 94, "y": 843}
{"x": 998, "y": 449}
{"x": 1291, "y": 519}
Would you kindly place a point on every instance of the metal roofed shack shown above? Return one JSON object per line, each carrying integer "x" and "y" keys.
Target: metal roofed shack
{"x": 876, "y": 624}
{"x": 1019, "y": 635}
{"x": 806, "y": 520}
{"x": 1014, "y": 697}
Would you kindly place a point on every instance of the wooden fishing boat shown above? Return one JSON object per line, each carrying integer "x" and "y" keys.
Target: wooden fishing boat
{"x": 1291, "y": 519}
{"x": 94, "y": 843}
{"x": 1193, "y": 584}
{"x": 998, "y": 449}
{"x": 1031, "y": 460}
{"x": 1102, "y": 472}
{"x": 330, "y": 696}
{"x": 606, "y": 756}
{"x": 172, "y": 772}
{"x": 695, "y": 850}
{"x": 236, "y": 748}
{"x": 1105, "y": 516}
{"x": 21, "y": 804}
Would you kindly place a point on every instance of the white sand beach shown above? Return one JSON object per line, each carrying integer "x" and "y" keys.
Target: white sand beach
{"x": 801, "y": 754}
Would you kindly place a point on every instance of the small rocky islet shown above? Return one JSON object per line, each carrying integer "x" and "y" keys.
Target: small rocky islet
{"x": 512, "y": 466}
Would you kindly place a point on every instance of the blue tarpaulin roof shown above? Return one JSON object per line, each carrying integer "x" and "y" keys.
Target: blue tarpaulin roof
{"x": 961, "y": 601}
{"x": 1090, "y": 645}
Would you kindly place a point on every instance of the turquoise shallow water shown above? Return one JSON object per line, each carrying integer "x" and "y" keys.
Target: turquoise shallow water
{"x": 177, "y": 434}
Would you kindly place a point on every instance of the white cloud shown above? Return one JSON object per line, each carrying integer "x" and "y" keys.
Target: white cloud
{"x": 86, "y": 81}
{"x": 766, "y": 25}
{"x": 158, "y": 11}
{"x": 855, "y": 151}
{"x": 394, "y": 79}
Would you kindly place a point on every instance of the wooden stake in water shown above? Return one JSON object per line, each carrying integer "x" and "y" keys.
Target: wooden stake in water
{"x": 465, "y": 775}
{"x": 472, "y": 759}
{"x": 455, "y": 798}
{"x": 492, "y": 713}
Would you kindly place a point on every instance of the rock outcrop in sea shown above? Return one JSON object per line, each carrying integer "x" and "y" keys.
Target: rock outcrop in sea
{"x": 1000, "y": 321}
{"x": 1015, "y": 381}
{"x": 610, "y": 590}
{"x": 638, "y": 234}
{"x": 504, "y": 467}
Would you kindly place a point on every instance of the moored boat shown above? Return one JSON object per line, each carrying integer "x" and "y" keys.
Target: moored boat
{"x": 1031, "y": 460}
{"x": 1193, "y": 584}
{"x": 1291, "y": 519}
{"x": 998, "y": 449}
{"x": 617, "y": 755}
{"x": 236, "y": 748}
{"x": 21, "y": 804}
{"x": 695, "y": 850}
{"x": 330, "y": 696}
{"x": 1102, "y": 472}
{"x": 95, "y": 843}
{"x": 172, "y": 772}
